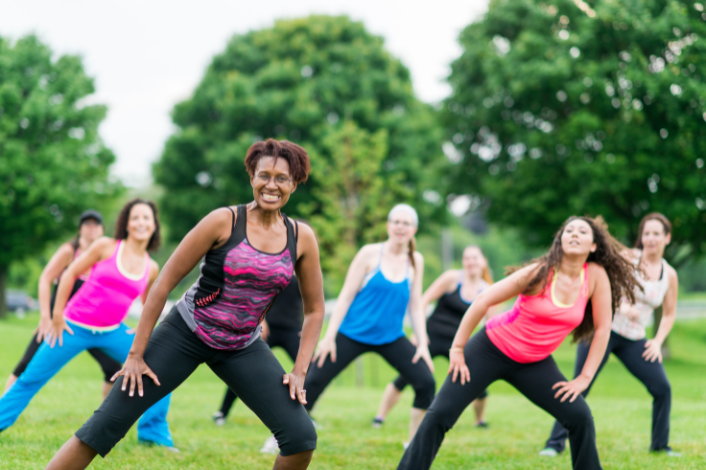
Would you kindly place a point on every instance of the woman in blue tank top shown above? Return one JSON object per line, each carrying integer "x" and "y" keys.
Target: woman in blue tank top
{"x": 383, "y": 282}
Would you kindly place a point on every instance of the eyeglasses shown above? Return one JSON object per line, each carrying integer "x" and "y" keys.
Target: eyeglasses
{"x": 279, "y": 180}
{"x": 403, "y": 223}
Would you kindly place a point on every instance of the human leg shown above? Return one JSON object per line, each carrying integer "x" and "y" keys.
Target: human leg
{"x": 318, "y": 378}
{"x": 535, "y": 381}
{"x": 654, "y": 378}
{"x": 31, "y": 350}
{"x": 486, "y": 364}
{"x": 43, "y": 366}
{"x": 256, "y": 376}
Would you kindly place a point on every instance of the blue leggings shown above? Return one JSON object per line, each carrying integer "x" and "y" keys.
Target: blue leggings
{"x": 152, "y": 427}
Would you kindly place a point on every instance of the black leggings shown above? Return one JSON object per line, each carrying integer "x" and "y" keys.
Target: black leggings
{"x": 287, "y": 339}
{"x": 535, "y": 380}
{"x": 651, "y": 374}
{"x": 109, "y": 366}
{"x": 398, "y": 354}
{"x": 174, "y": 353}
{"x": 438, "y": 346}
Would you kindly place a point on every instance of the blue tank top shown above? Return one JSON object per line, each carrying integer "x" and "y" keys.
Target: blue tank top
{"x": 376, "y": 314}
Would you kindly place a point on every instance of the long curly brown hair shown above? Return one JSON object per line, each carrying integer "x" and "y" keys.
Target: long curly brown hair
{"x": 608, "y": 254}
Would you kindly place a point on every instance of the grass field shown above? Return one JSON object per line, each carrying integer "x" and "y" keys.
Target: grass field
{"x": 621, "y": 407}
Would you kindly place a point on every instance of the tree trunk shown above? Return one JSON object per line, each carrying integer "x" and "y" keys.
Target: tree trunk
{"x": 3, "y": 287}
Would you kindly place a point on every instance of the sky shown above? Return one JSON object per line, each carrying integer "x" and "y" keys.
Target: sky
{"x": 147, "y": 55}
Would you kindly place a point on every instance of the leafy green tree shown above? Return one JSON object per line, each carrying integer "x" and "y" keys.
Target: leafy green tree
{"x": 565, "y": 107}
{"x": 329, "y": 85}
{"x": 53, "y": 164}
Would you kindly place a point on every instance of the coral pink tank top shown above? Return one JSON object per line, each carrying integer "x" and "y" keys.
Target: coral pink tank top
{"x": 537, "y": 324}
{"x": 105, "y": 297}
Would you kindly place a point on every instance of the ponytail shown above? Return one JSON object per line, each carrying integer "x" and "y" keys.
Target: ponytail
{"x": 74, "y": 242}
{"x": 412, "y": 248}
{"x": 487, "y": 277}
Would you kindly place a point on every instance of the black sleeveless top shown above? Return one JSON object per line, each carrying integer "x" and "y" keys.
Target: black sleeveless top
{"x": 287, "y": 311}
{"x": 447, "y": 315}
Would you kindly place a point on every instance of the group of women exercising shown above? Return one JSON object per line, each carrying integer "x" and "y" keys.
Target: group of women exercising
{"x": 261, "y": 286}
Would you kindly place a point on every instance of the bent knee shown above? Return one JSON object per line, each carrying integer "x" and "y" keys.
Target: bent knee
{"x": 424, "y": 391}
{"x": 580, "y": 416}
{"x": 660, "y": 390}
{"x": 297, "y": 439}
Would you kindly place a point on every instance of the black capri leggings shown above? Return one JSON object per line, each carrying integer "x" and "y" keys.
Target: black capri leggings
{"x": 173, "y": 353}
{"x": 287, "y": 339}
{"x": 398, "y": 354}
{"x": 109, "y": 366}
{"x": 651, "y": 374}
{"x": 534, "y": 380}
{"x": 438, "y": 346}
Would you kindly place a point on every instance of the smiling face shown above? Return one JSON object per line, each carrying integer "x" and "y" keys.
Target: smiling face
{"x": 577, "y": 239}
{"x": 654, "y": 237}
{"x": 473, "y": 261}
{"x": 140, "y": 223}
{"x": 90, "y": 230}
{"x": 272, "y": 184}
{"x": 401, "y": 228}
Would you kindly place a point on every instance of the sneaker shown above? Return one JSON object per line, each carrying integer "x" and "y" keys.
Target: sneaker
{"x": 219, "y": 418}
{"x": 156, "y": 444}
{"x": 316, "y": 424}
{"x": 377, "y": 422}
{"x": 668, "y": 451}
{"x": 270, "y": 446}
{"x": 548, "y": 452}
{"x": 481, "y": 424}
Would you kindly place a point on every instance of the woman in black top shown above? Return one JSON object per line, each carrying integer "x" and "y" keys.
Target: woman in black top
{"x": 282, "y": 327}
{"x": 454, "y": 290}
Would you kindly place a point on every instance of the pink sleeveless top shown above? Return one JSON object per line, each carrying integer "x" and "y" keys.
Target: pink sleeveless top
{"x": 536, "y": 325}
{"x": 105, "y": 297}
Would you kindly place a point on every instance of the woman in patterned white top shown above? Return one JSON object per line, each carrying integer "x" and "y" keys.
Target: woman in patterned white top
{"x": 641, "y": 356}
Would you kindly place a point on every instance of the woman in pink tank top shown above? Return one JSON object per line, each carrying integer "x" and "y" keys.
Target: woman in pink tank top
{"x": 553, "y": 293}
{"x": 121, "y": 270}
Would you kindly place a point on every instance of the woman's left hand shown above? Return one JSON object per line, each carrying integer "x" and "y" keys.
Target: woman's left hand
{"x": 571, "y": 389}
{"x": 423, "y": 353}
{"x": 295, "y": 380}
{"x": 653, "y": 351}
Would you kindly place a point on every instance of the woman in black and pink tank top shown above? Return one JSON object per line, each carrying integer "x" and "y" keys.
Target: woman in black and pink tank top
{"x": 250, "y": 253}
{"x": 90, "y": 227}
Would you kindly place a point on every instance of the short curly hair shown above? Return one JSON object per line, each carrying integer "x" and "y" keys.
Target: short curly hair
{"x": 296, "y": 156}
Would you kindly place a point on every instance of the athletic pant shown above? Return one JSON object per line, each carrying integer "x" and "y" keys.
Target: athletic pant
{"x": 651, "y": 374}
{"x": 48, "y": 361}
{"x": 287, "y": 339}
{"x": 438, "y": 346}
{"x": 398, "y": 354}
{"x": 534, "y": 380}
{"x": 173, "y": 353}
{"x": 109, "y": 366}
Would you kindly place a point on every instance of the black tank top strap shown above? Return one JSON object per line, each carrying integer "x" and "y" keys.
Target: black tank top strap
{"x": 291, "y": 237}
{"x": 239, "y": 231}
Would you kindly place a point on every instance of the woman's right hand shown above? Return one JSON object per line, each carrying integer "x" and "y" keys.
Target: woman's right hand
{"x": 43, "y": 329}
{"x": 325, "y": 347}
{"x": 132, "y": 371}
{"x": 56, "y": 331}
{"x": 457, "y": 366}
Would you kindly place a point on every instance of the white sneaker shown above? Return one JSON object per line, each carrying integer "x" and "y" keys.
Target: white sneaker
{"x": 218, "y": 418}
{"x": 548, "y": 452}
{"x": 270, "y": 446}
{"x": 405, "y": 445}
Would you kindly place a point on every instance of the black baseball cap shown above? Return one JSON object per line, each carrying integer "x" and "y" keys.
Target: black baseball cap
{"x": 90, "y": 214}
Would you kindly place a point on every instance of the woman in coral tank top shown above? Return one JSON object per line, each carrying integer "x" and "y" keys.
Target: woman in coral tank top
{"x": 553, "y": 293}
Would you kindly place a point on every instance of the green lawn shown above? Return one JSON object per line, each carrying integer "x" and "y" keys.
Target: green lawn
{"x": 517, "y": 429}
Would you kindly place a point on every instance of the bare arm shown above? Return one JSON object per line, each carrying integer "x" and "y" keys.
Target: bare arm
{"x": 154, "y": 272}
{"x": 602, "y": 318}
{"x": 653, "y": 347}
{"x": 499, "y": 292}
{"x": 354, "y": 279}
{"x": 311, "y": 286}
{"x": 58, "y": 262}
{"x": 439, "y": 287}
{"x": 100, "y": 249}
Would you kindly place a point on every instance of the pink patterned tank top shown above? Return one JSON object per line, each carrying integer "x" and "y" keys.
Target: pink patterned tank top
{"x": 237, "y": 286}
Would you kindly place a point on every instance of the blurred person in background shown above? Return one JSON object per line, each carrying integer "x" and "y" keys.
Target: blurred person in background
{"x": 90, "y": 228}
{"x": 454, "y": 291}
{"x": 249, "y": 254}
{"x": 572, "y": 288}
{"x": 383, "y": 282}
{"x": 642, "y": 357}
{"x": 120, "y": 271}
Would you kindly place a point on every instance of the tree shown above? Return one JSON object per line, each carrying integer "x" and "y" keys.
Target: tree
{"x": 567, "y": 107}
{"x": 327, "y": 84}
{"x": 53, "y": 165}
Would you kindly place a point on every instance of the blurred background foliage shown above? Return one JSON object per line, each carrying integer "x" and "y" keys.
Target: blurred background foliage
{"x": 557, "y": 108}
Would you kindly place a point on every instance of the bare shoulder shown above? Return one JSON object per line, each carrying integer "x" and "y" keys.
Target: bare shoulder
{"x": 596, "y": 271}
{"x": 105, "y": 246}
{"x": 223, "y": 216}
{"x": 418, "y": 257}
{"x": 671, "y": 273}
{"x": 306, "y": 233}
{"x": 66, "y": 250}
